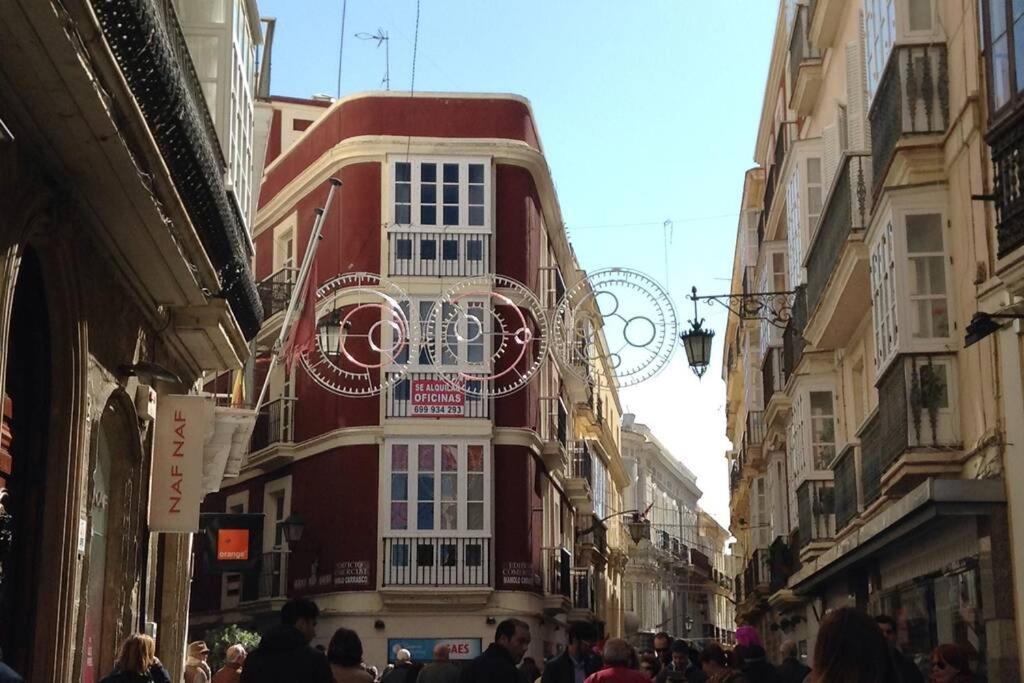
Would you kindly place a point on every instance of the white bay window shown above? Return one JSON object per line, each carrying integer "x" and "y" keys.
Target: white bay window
{"x": 812, "y": 440}
{"x": 888, "y": 22}
{"x": 804, "y": 197}
{"x": 436, "y": 194}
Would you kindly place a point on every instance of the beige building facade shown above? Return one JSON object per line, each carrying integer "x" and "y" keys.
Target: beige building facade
{"x": 872, "y": 450}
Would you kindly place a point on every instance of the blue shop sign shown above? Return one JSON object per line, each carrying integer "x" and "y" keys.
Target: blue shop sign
{"x": 422, "y": 649}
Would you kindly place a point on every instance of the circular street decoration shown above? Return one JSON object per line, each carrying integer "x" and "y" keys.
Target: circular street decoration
{"x": 635, "y": 315}
{"x": 492, "y": 336}
{"x": 362, "y": 331}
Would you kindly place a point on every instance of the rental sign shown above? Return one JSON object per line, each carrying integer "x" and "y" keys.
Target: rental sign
{"x": 176, "y": 483}
{"x": 436, "y": 398}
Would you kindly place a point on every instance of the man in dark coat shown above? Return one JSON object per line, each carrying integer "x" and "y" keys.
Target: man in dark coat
{"x": 284, "y": 653}
{"x": 578, "y": 660}
{"x": 663, "y": 648}
{"x": 792, "y": 670}
{"x": 907, "y": 670}
{"x": 498, "y": 663}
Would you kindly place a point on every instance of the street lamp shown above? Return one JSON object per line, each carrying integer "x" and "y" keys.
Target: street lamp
{"x": 328, "y": 331}
{"x": 292, "y": 527}
{"x": 697, "y": 342}
{"x": 984, "y": 324}
{"x": 639, "y": 526}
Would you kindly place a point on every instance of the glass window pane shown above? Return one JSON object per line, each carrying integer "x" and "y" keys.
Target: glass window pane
{"x": 474, "y": 516}
{"x": 403, "y": 214}
{"x": 403, "y": 193}
{"x": 400, "y": 555}
{"x": 475, "y": 487}
{"x": 940, "y": 318}
{"x": 934, "y": 383}
{"x": 424, "y": 555}
{"x": 473, "y": 555}
{"x": 475, "y": 459}
{"x": 425, "y": 487}
{"x": 476, "y": 215}
{"x": 924, "y": 233}
{"x": 205, "y": 53}
{"x": 428, "y": 193}
{"x": 937, "y": 275}
{"x": 399, "y": 516}
{"x": 428, "y": 250}
{"x": 813, "y": 171}
{"x": 449, "y": 458}
{"x": 1018, "y": 50}
{"x": 451, "y": 215}
{"x": 821, "y": 402}
{"x": 403, "y": 172}
{"x": 399, "y": 457}
{"x": 403, "y": 249}
{"x": 449, "y": 486}
{"x": 451, "y": 173}
{"x": 1000, "y": 60}
{"x": 920, "y": 12}
{"x": 451, "y": 194}
{"x": 426, "y": 457}
{"x": 449, "y": 553}
{"x": 449, "y": 515}
{"x": 1018, "y": 8}
{"x": 474, "y": 248}
{"x": 475, "y": 352}
{"x": 476, "y": 194}
{"x": 476, "y": 173}
{"x": 997, "y": 17}
{"x": 399, "y": 486}
{"x": 201, "y": 12}
{"x": 425, "y": 516}
{"x": 450, "y": 250}
{"x": 428, "y": 216}
{"x": 428, "y": 173}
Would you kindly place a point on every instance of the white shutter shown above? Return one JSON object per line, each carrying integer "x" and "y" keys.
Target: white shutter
{"x": 832, "y": 151}
{"x": 794, "y": 236}
{"x": 858, "y": 133}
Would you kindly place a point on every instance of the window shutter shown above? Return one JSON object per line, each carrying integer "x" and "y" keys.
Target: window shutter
{"x": 832, "y": 151}
{"x": 858, "y": 135}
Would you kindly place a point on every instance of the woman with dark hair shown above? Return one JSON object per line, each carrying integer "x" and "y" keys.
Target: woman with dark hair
{"x": 852, "y": 649}
{"x": 950, "y": 665}
{"x": 345, "y": 654}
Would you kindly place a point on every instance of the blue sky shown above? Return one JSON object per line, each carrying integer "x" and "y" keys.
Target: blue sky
{"x": 647, "y": 111}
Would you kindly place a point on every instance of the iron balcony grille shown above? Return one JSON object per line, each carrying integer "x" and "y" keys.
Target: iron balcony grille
{"x": 793, "y": 336}
{"x": 1008, "y": 186}
{"x": 276, "y": 290}
{"x": 582, "y": 462}
{"x": 559, "y": 572}
{"x": 815, "y": 501}
{"x": 273, "y": 576}
{"x": 437, "y": 561}
{"x": 872, "y": 465}
{"x": 800, "y": 48}
{"x": 583, "y": 592}
{"x": 771, "y": 373}
{"x": 275, "y": 423}
{"x": 754, "y": 434}
{"x": 438, "y": 254}
{"x": 846, "y": 213}
{"x": 912, "y": 99}
{"x": 845, "y": 477}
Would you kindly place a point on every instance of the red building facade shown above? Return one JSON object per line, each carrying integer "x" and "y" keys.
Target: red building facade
{"x": 421, "y": 527}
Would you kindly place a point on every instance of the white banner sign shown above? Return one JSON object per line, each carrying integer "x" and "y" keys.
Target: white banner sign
{"x": 176, "y": 485}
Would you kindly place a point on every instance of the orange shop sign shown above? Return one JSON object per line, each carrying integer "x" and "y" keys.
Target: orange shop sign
{"x": 176, "y": 485}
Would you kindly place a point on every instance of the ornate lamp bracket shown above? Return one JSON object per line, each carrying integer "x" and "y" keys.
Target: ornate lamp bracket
{"x": 776, "y": 308}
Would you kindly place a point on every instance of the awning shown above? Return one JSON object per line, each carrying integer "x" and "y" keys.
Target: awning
{"x": 933, "y": 499}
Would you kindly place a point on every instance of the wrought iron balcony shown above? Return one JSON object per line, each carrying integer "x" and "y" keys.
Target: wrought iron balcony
{"x": 815, "y": 504}
{"x": 276, "y": 290}
{"x": 845, "y": 473}
{"x": 804, "y": 63}
{"x": 274, "y": 424}
{"x": 757, "y": 575}
{"x": 399, "y": 403}
{"x": 582, "y": 462}
{"x": 846, "y": 213}
{"x": 1007, "y": 145}
{"x": 584, "y": 596}
{"x": 912, "y": 99}
{"x": 754, "y": 434}
{"x": 597, "y": 536}
{"x": 782, "y": 561}
{"x": 273, "y": 576}
{"x": 792, "y": 337}
{"x": 559, "y": 572}
{"x": 437, "y": 561}
{"x": 772, "y": 379}
{"x": 438, "y": 254}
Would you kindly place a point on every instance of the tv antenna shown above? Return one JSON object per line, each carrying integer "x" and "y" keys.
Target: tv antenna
{"x": 381, "y": 36}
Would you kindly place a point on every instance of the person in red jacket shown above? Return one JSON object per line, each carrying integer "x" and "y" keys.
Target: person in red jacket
{"x": 617, "y": 655}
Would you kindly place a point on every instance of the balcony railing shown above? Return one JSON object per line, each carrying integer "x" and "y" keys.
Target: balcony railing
{"x": 800, "y": 48}
{"x": 597, "y": 536}
{"x": 912, "y": 99}
{"x": 582, "y": 462}
{"x": 872, "y": 459}
{"x": 1008, "y": 186}
{"x": 815, "y": 504}
{"x": 782, "y": 564}
{"x": 583, "y": 590}
{"x": 273, "y": 581}
{"x": 276, "y": 290}
{"x": 400, "y": 403}
{"x": 274, "y": 424}
{"x": 438, "y": 254}
{"x": 701, "y": 563}
{"x": 437, "y": 561}
{"x": 559, "y": 572}
{"x": 757, "y": 574}
{"x": 772, "y": 379}
{"x": 754, "y": 434}
{"x": 847, "y": 209}
{"x": 845, "y": 477}
{"x": 793, "y": 337}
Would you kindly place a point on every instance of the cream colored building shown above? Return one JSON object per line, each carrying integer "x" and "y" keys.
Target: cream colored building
{"x": 871, "y": 449}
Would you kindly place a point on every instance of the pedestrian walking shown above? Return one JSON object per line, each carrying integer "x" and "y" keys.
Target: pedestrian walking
{"x": 231, "y": 672}
{"x": 196, "y": 668}
{"x": 284, "y": 652}
{"x": 663, "y": 648}
{"x": 137, "y": 662}
{"x": 792, "y": 670}
{"x": 950, "y": 665}
{"x": 679, "y": 667}
{"x": 345, "y": 655}
{"x": 498, "y": 662}
{"x": 650, "y": 665}
{"x": 441, "y": 670}
{"x": 617, "y": 655}
{"x": 577, "y": 661}
{"x": 715, "y": 665}
{"x": 851, "y": 649}
{"x": 404, "y": 671}
{"x": 905, "y": 667}
{"x": 7, "y": 674}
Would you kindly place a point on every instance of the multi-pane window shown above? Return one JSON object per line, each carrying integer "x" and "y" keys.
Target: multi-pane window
{"x": 927, "y": 280}
{"x": 440, "y": 194}
{"x": 778, "y": 272}
{"x": 823, "y": 429}
{"x": 437, "y": 486}
{"x": 883, "y": 296}
{"x": 600, "y": 483}
{"x": 814, "y": 193}
{"x": 879, "y": 33}
{"x": 455, "y": 336}
{"x": 1004, "y": 46}
{"x": 793, "y": 231}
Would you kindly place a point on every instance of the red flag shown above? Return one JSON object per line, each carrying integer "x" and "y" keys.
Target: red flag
{"x": 302, "y": 337}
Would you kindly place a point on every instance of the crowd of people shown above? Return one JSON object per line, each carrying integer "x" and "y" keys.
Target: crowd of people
{"x": 851, "y": 647}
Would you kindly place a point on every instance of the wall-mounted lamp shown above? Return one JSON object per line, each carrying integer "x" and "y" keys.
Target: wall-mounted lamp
{"x": 490, "y": 621}
{"x": 379, "y": 625}
{"x": 984, "y": 324}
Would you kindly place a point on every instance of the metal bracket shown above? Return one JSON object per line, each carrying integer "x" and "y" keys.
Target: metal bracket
{"x": 776, "y": 308}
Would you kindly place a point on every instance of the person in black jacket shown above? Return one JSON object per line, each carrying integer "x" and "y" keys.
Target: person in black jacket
{"x": 578, "y": 660}
{"x": 498, "y": 663}
{"x": 906, "y": 669}
{"x": 792, "y": 670}
{"x": 284, "y": 653}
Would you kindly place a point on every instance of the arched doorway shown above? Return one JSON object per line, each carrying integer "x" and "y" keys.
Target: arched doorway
{"x": 28, "y": 385}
